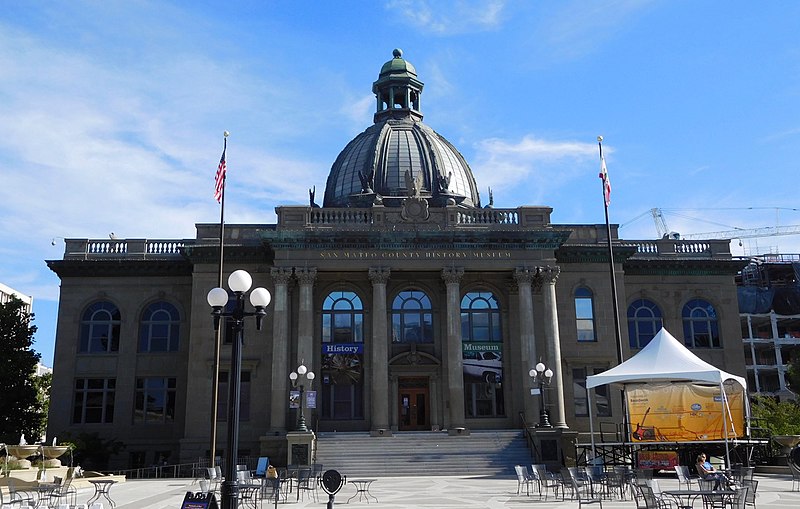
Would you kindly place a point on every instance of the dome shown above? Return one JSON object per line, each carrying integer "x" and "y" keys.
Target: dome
{"x": 399, "y": 156}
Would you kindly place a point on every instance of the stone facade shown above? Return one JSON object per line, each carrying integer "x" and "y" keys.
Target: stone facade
{"x": 533, "y": 271}
{"x": 417, "y": 308}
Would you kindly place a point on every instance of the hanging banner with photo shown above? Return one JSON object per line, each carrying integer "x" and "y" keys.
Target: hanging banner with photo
{"x": 483, "y": 362}
{"x": 342, "y": 363}
{"x": 294, "y": 399}
{"x": 683, "y": 412}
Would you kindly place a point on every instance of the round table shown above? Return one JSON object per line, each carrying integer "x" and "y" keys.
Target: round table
{"x": 101, "y": 489}
{"x": 362, "y": 490}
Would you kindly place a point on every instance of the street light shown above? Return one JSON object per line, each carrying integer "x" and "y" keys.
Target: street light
{"x": 294, "y": 376}
{"x": 543, "y": 376}
{"x": 239, "y": 282}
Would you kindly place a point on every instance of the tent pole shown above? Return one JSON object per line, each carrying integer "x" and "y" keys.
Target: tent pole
{"x": 724, "y": 403}
{"x": 591, "y": 422}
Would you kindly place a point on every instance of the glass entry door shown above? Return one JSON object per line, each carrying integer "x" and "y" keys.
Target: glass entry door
{"x": 414, "y": 405}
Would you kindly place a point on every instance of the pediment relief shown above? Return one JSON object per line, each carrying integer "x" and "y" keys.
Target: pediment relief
{"x": 414, "y": 358}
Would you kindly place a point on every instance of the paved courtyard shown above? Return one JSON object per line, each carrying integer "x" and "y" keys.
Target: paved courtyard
{"x": 422, "y": 492}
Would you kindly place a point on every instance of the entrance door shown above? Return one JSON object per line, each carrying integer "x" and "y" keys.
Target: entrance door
{"x": 414, "y": 406}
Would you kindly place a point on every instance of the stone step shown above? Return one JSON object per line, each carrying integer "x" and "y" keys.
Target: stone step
{"x": 428, "y": 453}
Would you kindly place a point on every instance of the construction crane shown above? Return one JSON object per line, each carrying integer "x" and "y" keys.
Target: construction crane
{"x": 737, "y": 233}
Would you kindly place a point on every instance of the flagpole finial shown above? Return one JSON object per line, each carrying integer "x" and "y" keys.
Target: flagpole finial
{"x": 599, "y": 139}
{"x": 226, "y": 134}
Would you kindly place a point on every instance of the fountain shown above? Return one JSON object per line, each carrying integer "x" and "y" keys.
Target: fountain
{"x": 22, "y": 452}
{"x": 790, "y": 448}
{"x": 51, "y": 454}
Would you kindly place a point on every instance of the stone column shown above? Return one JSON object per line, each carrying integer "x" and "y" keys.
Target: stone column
{"x": 526, "y": 353}
{"x": 379, "y": 346}
{"x": 455, "y": 366}
{"x": 305, "y": 319}
{"x": 281, "y": 277}
{"x": 549, "y": 275}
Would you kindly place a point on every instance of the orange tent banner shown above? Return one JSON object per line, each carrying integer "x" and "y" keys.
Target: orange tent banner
{"x": 683, "y": 412}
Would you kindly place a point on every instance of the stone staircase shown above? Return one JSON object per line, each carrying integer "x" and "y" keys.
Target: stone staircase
{"x": 489, "y": 453}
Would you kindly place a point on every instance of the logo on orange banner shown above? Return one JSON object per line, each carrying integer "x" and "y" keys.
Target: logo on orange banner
{"x": 658, "y": 459}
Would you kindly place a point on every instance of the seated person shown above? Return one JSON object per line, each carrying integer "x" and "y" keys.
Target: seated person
{"x": 707, "y": 471}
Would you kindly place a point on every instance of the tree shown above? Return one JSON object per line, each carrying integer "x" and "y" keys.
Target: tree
{"x": 92, "y": 451}
{"x": 21, "y": 409}
{"x": 777, "y": 417}
{"x": 793, "y": 375}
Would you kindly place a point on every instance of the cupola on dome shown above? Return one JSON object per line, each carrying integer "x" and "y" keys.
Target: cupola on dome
{"x": 399, "y": 156}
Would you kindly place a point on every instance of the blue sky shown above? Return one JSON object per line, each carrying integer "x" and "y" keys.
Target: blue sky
{"x": 112, "y": 113}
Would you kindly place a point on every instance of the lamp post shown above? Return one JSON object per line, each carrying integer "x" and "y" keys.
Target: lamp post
{"x": 239, "y": 282}
{"x": 294, "y": 376}
{"x": 543, "y": 376}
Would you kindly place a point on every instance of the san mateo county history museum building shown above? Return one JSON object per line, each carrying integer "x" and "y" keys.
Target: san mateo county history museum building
{"x": 418, "y": 306}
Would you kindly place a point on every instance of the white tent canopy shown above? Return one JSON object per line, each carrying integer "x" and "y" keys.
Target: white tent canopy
{"x": 664, "y": 358}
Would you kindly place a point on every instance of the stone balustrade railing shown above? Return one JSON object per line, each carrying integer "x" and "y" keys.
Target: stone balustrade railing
{"x": 122, "y": 248}
{"x": 684, "y": 248}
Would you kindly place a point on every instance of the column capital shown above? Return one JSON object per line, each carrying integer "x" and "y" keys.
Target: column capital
{"x": 549, "y": 273}
{"x": 524, "y": 275}
{"x": 281, "y": 275}
{"x": 305, "y": 275}
{"x": 452, "y": 275}
{"x": 379, "y": 275}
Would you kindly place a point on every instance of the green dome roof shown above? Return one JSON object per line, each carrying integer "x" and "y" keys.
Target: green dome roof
{"x": 398, "y": 65}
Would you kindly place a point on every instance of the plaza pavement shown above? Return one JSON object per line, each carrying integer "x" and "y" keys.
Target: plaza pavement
{"x": 434, "y": 492}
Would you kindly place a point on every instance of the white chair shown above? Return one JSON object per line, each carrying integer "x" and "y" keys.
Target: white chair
{"x": 17, "y": 496}
{"x": 684, "y": 476}
{"x": 523, "y": 478}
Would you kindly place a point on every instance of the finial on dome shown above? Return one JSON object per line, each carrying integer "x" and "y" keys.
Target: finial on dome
{"x": 397, "y": 53}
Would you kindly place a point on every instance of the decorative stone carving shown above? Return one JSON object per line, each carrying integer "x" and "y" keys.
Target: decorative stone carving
{"x": 281, "y": 275}
{"x": 305, "y": 275}
{"x": 452, "y": 275}
{"x": 549, "y": 273}
{"x": 379, "y": 275}
{"x": 415, "y": 209}
{"x": 524, "y": 275}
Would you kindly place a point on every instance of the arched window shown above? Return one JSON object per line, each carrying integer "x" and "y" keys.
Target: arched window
{"x": 342, "y": 318}
{"x": 584, "y": 314}
{"x": 160, "y": 328}
{"x": 644, "y": 321}
{"x": 480, "y": 317}
{"x": 342, "y": 363}
{"x": 412, "y": 320}
{"x": 482, "y": 355}
{"x": 700, "y": 329}
{"x": 100, "y": 328}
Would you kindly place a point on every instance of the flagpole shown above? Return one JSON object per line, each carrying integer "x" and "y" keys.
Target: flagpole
{"x": 617, "y": 332}
{"x": 218, "y": 332}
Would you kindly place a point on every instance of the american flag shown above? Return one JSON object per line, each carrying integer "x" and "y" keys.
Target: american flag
{"x": 606, "y": 181}
{"x": 219, "y": 185}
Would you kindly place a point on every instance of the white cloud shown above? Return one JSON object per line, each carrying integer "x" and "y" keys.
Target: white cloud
{"x": 450, "y": 17}
{"x": 532, "y": 167}
{"x": 577, "y": 27}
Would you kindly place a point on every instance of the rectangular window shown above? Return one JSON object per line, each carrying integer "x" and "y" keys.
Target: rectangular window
{"x": 94, "y": 401}
{"x": 579, "y": 392}
{"x": 244, "y": 397}
{"x": 154, "y": 400}
{"x": 584, "y": 318}
{"x": 159, "y": 337}
{"x": 342, "y": 390}
{"x": 99, "y": 338}
{"x": 602, "y": 404}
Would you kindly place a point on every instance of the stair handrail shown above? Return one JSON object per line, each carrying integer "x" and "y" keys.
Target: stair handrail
{"x": 529, "y": 437}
